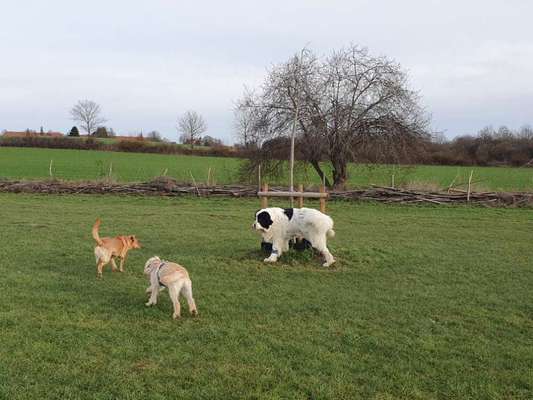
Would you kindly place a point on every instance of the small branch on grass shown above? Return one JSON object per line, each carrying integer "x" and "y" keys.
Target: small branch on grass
{"x": 454, "y": 179}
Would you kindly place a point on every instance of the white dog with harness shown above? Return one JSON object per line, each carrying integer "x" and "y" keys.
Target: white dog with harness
{"x": 172, "y": 276}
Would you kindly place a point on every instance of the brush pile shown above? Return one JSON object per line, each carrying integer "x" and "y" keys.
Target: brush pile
{"x": 164, "y": 186}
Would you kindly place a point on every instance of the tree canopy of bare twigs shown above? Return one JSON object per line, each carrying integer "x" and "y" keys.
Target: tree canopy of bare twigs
{"x": 347, "y": 102}
{"x": 191, "y": 125}
{"x": 88, "y": 114}
{"x": 154, "y": 136}
{"x": 243, "y": 126}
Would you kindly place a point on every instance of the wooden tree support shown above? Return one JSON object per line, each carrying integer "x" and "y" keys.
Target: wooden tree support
{"x": 322, "y": 195}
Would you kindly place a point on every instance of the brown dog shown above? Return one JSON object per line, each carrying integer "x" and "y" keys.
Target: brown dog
{"x": 108, "y": 248}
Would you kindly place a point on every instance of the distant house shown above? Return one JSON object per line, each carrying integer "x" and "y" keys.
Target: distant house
{"x": 30, "y": 133}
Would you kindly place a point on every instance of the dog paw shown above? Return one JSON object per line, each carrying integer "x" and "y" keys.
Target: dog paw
{"x": 149, "y": 304}
{"x": 269, "y": 260}
{"x": 327, "y": 264}
{"x": 194, "y": 313}
{"x": 176, "y": 316}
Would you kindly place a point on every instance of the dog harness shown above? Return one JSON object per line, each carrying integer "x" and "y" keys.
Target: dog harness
{"x": 158, "y": 274}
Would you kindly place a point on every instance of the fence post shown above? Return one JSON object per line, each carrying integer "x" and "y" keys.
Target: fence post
{"x": 322, "y": 199}
{"x": 264, "y": 199}
{"x": 300, "y": 199}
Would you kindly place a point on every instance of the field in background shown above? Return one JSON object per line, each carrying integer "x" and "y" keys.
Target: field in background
{"x": 34, "y": 163}
{"x": 424, "y": 303}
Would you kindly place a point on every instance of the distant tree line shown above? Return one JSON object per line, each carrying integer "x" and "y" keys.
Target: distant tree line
{"x": 137, "y": 145}
{"x": 490, "y": 146}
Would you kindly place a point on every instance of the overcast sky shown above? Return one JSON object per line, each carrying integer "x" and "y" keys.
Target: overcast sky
{"x": 146, "y": 62}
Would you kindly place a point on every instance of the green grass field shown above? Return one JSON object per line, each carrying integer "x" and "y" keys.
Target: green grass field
{"x": 34, "y": 163}
{"x": 424, "y": 303}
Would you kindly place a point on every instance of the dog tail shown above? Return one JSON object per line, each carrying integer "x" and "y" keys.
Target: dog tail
{"x": 330, "y": 233}
{"x": 95, "y": 232}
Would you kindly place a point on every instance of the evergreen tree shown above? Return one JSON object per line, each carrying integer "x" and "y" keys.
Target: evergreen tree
{"x": 74, "y": 131}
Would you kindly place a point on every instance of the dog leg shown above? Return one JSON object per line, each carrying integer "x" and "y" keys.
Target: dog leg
{"x": 153, "y": 295}
{"x": 99, "y": 269}
{"x": 122, "y": 261}
{"x": 319, "y": 243}
{"x": 174, "y": 292}
{"x": 113, "y": 264}
{"x": 328, "y": 257}
{"x": 149, "y": 289}
{"x": 273, "y": 256}
{"x": 186, "y": 291}
{"x": 277, "y": 250}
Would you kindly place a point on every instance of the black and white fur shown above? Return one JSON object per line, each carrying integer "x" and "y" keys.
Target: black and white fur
{"x": 279, "y": 225}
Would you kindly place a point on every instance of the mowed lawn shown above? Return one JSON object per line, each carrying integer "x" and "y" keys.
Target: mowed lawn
{"x": 424, "y": 303}
{"x": 34, "y": 163}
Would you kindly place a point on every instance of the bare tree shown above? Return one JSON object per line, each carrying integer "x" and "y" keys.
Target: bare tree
{"x": 342, "y": 104}
{"x": 88, "y": 114}
{"x": 154, "y": 136}
{"x": 191, "y": 125}
{"x": 243, "y": 126}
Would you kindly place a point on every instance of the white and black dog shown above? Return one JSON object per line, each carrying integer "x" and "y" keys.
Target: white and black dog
{"x": 278, "y": 226}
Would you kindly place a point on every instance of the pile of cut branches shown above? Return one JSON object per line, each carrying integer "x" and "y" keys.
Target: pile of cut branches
{"x": 398, "y": 195}
{"x": 165, "y": 186}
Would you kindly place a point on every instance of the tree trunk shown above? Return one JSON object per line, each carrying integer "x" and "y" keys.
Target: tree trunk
{"x": 321, "y": 174}
{"x": 340, "y": 173}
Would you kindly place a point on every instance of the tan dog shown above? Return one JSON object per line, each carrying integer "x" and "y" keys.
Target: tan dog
{"x": 175, "y": 278}
{"x": 108, "y": 248}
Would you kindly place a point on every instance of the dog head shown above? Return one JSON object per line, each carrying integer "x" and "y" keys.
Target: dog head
{"x": 133, "y": 242}
{"x": 151, "y": 263}
{"x": 263, "y": 220}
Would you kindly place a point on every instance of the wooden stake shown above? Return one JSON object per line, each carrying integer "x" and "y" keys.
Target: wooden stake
{"x": 259, "y": 178}
{"x": 195, "y": 185}
{"x": 209, "y": 176}
{"x": 300, "y": 199}
{"x": 264, "y": 200}
{"x": 50, "y": 169}
{"x": 469, "y": 186}
{"x": 323, "y": 199}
